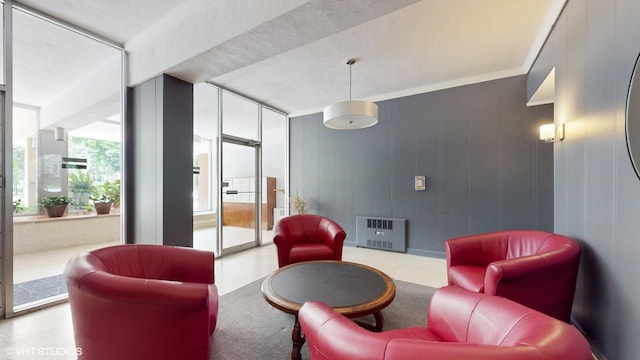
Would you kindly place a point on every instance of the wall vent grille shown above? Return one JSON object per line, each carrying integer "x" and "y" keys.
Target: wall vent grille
{"x": 381, "y": 233}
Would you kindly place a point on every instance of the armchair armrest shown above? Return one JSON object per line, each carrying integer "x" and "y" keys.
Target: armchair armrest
{"x": 332, "y": 235}
{"x": 195, "y": 266}
{"x": 333, "y": 336}
{"x": 172, "y": 294}
{"x": 283, "y": 246}
{"x": 534, "y": 266}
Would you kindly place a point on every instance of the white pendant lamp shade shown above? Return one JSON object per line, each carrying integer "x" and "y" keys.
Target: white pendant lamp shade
{"x": 349, "y": 115}
{"x": 352, "y": 114}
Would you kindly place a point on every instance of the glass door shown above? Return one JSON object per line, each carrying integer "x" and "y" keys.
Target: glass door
{"x": 240, "y": 188}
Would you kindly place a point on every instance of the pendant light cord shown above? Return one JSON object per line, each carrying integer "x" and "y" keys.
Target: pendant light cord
{"x": 349, "y": 82}
{"x": 350, "y": 62}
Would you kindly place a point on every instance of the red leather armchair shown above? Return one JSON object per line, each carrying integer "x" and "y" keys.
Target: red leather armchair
{"x": 461, "y": 325}
{"x": 534, "y": 268}
{"x": 143, "y": 302}
{"x": 308, "y": 237}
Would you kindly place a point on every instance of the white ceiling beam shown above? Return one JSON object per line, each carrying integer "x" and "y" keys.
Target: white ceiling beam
{"x": 225, "y": 36}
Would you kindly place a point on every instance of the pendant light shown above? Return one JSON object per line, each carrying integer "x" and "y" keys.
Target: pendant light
{"x": 352, "y": 114}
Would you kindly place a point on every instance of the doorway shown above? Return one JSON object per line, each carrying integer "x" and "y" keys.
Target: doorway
{"x": 240, "y": 178}
{"x": 240, "y": 194}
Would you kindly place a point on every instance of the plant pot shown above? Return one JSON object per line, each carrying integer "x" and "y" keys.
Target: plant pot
{"x": 56, "y": 210}
{"x": 102, "y": 208}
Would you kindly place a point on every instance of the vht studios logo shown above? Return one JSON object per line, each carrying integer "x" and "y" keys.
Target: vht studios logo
{"x": 42, "y": 351}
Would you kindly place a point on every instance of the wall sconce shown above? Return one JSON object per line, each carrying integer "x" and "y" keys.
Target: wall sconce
{"x": 59, "y": 134}
{"x": 551, "y": 132}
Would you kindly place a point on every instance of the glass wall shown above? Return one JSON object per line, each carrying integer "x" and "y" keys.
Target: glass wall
{"x": 274, "y": 168}
{"x": 67, "y": 91}
{"x": 205, "y": 171}
{"x": 25, "y": 194}
{"x": 249, "y": 195}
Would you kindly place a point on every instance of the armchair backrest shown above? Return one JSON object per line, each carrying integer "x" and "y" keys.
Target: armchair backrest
{"x": 530, "y": 242}
{"x": 155, "y": 262}
{"x": 307, "y": 228}
{"x": 458, "y": 315}
{"x": 501, "y": 245}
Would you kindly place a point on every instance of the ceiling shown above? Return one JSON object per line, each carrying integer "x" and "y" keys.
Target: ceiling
{"x": 294, "y": 58}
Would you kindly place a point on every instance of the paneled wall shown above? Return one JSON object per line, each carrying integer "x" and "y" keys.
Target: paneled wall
{"x": 159, "y": 163}
{"x": 477, "y": 145}
{"x": 593, "y": 47}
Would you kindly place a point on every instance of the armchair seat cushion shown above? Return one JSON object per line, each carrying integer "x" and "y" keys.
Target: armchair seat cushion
{"x": 309, "y": 252}
{"x": 468, "y": 277}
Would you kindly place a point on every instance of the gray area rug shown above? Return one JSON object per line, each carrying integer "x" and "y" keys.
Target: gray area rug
{"x": 249, "y": 328}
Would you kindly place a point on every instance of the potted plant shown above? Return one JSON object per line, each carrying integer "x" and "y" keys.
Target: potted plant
{"x": 81, "y": 187}
{"x": 300, "y": 204}
{"x": 54, "y": 205}
{"x": 102, "y": 204}
{"x": 18, "y": 206}
{"x": 112, "y": 190}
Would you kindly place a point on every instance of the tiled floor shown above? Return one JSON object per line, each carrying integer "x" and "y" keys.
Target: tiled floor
{"x": 50, "y": 329}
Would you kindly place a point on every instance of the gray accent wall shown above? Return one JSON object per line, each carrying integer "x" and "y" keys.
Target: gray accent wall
{"x": 593, "y": 47}
{"x": 159, "y": 163}
{"x": 477, "y": 145}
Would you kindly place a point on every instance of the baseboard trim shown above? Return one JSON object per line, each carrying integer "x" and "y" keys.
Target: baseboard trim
{"x": 419, "y": 252}
{"x": 427, "y": 253}
{"x": 596, "y": 353}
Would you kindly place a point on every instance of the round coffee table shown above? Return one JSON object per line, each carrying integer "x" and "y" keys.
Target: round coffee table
{"x": 353, "y": 290}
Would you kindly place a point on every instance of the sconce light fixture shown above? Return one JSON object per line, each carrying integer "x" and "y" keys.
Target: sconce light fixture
{"x": 552, "y": 132}
{"x": 59, "y": 134}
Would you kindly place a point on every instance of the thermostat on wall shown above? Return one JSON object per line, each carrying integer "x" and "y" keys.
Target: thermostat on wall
{"x": 420, "y": 183}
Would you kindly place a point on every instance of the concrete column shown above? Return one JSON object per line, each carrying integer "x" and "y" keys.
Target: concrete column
{"x": 159, "y": 163}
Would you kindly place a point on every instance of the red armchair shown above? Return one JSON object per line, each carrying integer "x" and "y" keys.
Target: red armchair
{"x": 461, "y": 325}
{"x": 143, "y": 302}
{"x": 308, "y": 237}
{"x": 534, "y": 268}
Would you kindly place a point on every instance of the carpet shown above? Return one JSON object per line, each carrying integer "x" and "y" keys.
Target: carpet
{"x": 38, "y": 289}
{"x": 249, "y": 328}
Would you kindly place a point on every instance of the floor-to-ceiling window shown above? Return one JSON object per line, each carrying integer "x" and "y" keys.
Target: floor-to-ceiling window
{"x": 65, "y": 145}
{"x": 205, "y": 171}
{"x": 240, "y": 159}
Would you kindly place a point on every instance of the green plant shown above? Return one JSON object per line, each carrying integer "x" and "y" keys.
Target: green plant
{"x": 82, "y": 186}
{"x": 102, "y": 198}
{"x": 18, "y": 206}
{"x": 112, "y": 190}
{"x": 300, "y": 204}
{"x": 50, "y": 201}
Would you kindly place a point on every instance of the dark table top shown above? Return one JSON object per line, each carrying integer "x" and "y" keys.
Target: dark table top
{"x": 350, "y": 288}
